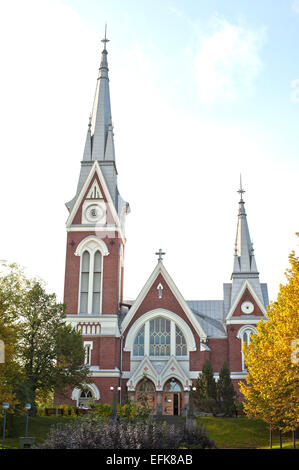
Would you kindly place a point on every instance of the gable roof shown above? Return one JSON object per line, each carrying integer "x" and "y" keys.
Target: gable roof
{"x": 95, "y": 170}
{"x": 246, "y": 285}
{"x": 160, "y": 269}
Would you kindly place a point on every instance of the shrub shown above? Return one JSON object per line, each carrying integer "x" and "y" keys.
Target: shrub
{"x": 98, "y": 434}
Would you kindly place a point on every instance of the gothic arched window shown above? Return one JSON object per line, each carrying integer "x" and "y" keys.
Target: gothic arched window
{"x": 138, "y": 348}
{"x": 160, "y": 337}
{"x": 244, "y": 335}
{"x": 91, "y": 250}
{"x": 96, "y": 290}
{"x": 85, "y": 264}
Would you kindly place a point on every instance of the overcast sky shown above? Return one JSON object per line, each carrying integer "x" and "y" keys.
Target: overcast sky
{"x": 200, "y": 91}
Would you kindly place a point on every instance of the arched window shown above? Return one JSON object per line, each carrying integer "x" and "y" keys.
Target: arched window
{"x": 96, "y": 294}
{"x": 138, "y": 348}
{"x": 244, "y": 335}
{"x": 180, "y": 343}
{"x": 173, "y": 386}
{"x": 85, "y": 264}
{"x": 91, "y": 250}
{"x": 160, "y": 337}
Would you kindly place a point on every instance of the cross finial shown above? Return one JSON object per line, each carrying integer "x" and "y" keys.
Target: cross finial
{"x": 105, "y": 40}
{"x": 241, "y": 190}
{"x": 160, "y": 254}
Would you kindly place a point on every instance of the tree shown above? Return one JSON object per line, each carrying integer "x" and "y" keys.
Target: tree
{"x": 271, "y": 388}
{"x": 225, "y": 392}
{"x": 9, "y": 369}
{"x": 206, "y": 394}
{"x": 49, "y": 353}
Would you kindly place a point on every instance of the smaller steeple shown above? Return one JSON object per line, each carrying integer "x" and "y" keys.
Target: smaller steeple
{"x": 244, "y": 267}
{"x": 244, "y": 260}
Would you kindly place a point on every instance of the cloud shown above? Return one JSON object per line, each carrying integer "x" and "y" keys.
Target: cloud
{"x": 228, "y": 60}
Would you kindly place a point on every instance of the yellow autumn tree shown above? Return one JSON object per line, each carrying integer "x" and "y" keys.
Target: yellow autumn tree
{"x": 271, "y": 390}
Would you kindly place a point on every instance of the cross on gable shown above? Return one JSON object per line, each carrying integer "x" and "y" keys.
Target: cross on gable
{"x": 160, "y": 253}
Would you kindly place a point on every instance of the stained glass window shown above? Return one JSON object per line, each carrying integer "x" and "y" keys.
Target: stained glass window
{"x": 138, "y": 348}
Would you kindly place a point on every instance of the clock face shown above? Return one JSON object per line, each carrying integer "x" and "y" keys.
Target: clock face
{"x": 247, "y": 307}
{"x": 94, "y": 213}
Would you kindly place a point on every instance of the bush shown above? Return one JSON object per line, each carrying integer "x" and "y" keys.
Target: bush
{"x": 69, "y": 410}
{"x": 96, "y": 434}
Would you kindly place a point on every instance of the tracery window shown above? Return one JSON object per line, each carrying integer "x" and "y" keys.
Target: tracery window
{"x": 180, "y": 343}
{"x": 138, "y": 348}
{"x": 160, "y": 337}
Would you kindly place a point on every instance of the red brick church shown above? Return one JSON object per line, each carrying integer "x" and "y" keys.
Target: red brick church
{"x": 159, "y": 335}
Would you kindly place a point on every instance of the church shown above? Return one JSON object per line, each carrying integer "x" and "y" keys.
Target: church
{"x": 160, "y": 335}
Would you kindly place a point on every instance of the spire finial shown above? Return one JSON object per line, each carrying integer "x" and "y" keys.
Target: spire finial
{"x": 105, "y": 40}
{"x": 241, "y": 190}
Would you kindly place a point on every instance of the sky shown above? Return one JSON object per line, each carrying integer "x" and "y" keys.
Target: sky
{"x": 201, "y": 92}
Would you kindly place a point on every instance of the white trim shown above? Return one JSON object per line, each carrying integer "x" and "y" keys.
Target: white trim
{"x": 246, "y": 321}
{"x": 87, "y": 240}
{"x": 160, "y": 269}
{"x": 159, "y": 379}
{"x": 247, "y": 285}
{"x": 92, "y": 244}
{"x": 193, "y": 374}
{"x": 92, "y": 387}
{"x": 240, "y": 334}
{"x": 244, "y": 328}
{"x": 159, "y": 312}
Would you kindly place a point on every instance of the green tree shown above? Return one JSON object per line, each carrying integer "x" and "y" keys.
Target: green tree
{"x": 225, "y": 392}
{"x": 49, "y": 353}
{"x": 206, "y": 392}
{"x": 9, "y": 369}
{"x": 272, "y": 359}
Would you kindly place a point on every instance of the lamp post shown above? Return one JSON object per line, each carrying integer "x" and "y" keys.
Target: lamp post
{"x": 28, "y": 408}
{"x": 5, "y": 407}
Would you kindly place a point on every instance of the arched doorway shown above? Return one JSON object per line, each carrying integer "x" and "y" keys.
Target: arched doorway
{"x": 145, "y": 394}
{"x": 172, "y": 398}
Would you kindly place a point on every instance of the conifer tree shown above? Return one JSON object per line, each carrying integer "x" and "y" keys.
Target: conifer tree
{"x": 225, "y": 392}
{"x": 206, "y": 394}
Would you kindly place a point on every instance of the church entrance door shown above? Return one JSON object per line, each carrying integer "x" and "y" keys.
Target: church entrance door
{"x": 172, "y": 399}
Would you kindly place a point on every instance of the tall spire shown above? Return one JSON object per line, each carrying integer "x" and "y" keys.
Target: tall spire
{"x": 244, "y": 260}
{"x": 101, "y": 120}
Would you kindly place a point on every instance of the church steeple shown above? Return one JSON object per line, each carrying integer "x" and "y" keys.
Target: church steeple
{"x": 99, "y": 144}
{"x": 244, "y": 267}
{"x": 101, "y": 120}
{"x": 244, "y": 259}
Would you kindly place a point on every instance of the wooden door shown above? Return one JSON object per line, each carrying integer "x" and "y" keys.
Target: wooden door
{"x": 168, "y": 404}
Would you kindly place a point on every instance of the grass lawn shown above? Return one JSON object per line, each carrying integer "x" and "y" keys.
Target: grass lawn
{"x": 242, "y": 433}
{"x": 227, "y": 433}
{"x": 39, "y": 427}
